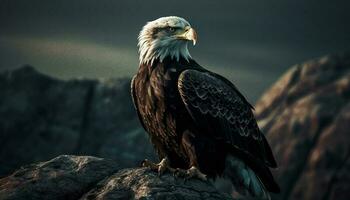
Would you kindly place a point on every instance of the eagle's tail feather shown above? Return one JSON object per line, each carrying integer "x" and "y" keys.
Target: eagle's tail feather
{"x": 244, "y": 180}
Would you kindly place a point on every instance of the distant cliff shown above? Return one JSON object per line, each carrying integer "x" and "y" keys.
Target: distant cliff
{"x": 42, "y": 117}
{"x": 306, "y": 116}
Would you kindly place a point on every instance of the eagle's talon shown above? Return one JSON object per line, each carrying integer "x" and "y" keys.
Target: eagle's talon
{"x": 160, "y": 168}
{"x": 163, "y": 165}
{"x": 178, "y": 173}
{"x": 195, "y": 172}
{"x": 150, "y": 165}
{"x": 190, "y": 173}
{"x": 143, "y": 163}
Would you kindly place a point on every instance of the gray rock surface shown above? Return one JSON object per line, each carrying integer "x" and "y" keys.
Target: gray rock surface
{"x": 142, "y": 183}
{"x": 64, "y": 177}
{"x": 42, "y": 117}
{"x": 306, "y": 116}
{"x": 85, "y": 177}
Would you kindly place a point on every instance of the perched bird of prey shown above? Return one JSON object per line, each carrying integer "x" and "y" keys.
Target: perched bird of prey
{"x": 199, "y": 123}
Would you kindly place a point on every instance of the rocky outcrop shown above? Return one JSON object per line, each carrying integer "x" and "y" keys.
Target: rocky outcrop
{"x": 42, "y": 117}
{"x": 141, "y": 183}
{"x": 87, "y": 178}
{"x": 306, "y": 116}
{"x": 64, "y": 177}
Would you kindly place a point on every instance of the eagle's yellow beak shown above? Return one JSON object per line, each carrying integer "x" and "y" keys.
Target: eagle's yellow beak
{"x": 189, "y": 34}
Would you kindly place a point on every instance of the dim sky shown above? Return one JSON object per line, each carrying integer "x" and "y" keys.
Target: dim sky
{"x": 251, "y": 42}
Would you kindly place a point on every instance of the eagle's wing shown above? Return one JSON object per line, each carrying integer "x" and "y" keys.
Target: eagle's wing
{"x": 134, "y": 99}
{"x": 217, "y": 107}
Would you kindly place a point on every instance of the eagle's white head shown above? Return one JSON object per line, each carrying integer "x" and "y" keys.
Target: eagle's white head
{"x": 166, "y": 36}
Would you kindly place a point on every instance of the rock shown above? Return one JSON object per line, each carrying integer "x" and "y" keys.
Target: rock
{"x": 142, "y": 183}
{"x": 64, "y": 177}
{"x": 306, "y": 116}
{"x": 42, "y": 117}
{"x": 86, "y": 177}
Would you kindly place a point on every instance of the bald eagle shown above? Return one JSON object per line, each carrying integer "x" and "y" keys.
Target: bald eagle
{"x": 197, "y": 120}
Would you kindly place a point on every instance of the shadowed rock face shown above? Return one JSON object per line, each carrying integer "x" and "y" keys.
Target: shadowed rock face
{"x": 142, "y": 183}
{"x": 42, "y": 117}
{"x": 306, "y": 116}
{"x": 64, "y": 177}
{"x": 87, "y": 178}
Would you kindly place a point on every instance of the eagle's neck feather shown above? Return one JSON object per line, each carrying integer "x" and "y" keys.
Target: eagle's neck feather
{"x": 151, "y": 49}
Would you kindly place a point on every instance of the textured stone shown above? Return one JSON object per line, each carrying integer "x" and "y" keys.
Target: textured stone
{"x": 306, "y": 116}
{"x": 64, "y": 177}
{"x": 142, "y": 183}
{"x": 85, "y": 177}
{"x": 42, "y": 117}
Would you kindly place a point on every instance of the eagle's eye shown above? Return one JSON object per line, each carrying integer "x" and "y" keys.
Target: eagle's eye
{"x": 171, "y": 29}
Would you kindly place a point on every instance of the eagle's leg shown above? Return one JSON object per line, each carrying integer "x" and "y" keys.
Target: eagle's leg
{"x": 189, "y": 145}
{"x": 163, "y": 166}
{"x": 192, "y": 172}
{"x": 160, "y": 167}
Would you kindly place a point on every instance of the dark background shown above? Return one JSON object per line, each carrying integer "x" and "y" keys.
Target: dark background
{"x": 71, "y": 99}
{"x": 251, "y": 42}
